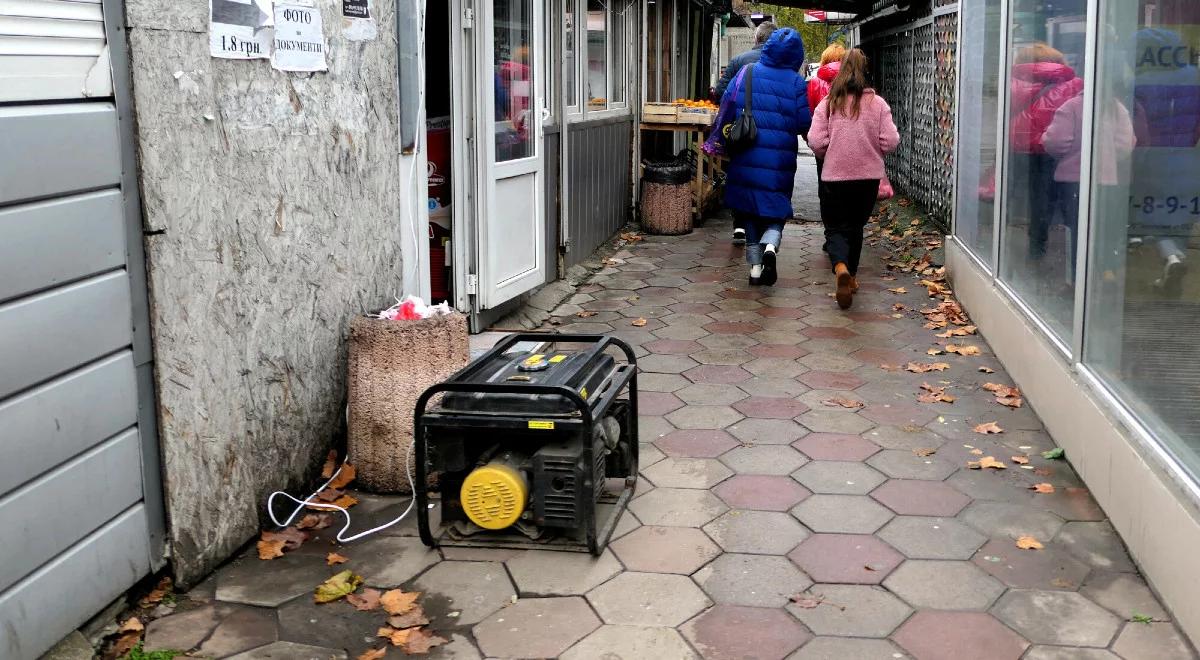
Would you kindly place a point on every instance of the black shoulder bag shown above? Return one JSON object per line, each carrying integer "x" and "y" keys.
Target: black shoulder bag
{"x": 743, "y": 131}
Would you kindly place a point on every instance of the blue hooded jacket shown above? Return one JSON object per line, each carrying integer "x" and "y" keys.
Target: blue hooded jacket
{"x": 760, "y": 180}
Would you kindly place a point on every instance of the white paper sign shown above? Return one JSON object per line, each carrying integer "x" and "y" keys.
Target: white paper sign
{"x": 299, "y": 39}
{"x": 358, "y": 22}
{"x": 240, "y": 29}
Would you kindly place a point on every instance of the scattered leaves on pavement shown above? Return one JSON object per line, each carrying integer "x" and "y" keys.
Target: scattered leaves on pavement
{"x": 315, "y": 521}
{"x": 934, "y": 351}
{"x": 333, "y": 559}
{"x": 988, "y": 427}
{"x": 1020, "y": 460}
{"x": 372, "y": 654}
{"x": 344, "y": 477}
{"x": 420, "y": 641}
{"x": 1062, "y": 583}
{"x": 843, "y": 402}
{"x": 924, "y": 451}
{"x": 128, "y": 635}
{"x": 1042, "y": 488}
{"x": 414, "y": 617}
{"x": 1010, "y": 401}
{"x": 330, "y": 464}
{"x": 934, "y": 394}
{"x": 962, "y": 331}
{"x": 922, "y": 368}
{"x": 977, "y": 452}
{"x": 963, "y": 350}
{"x": 399, "y": 602}
{"x": 1054, "y": 454}
{"x": 586, "y": 314}
{"x": 631, "y": 236}
{"x": 987, "y": 462}
{"x": 272, "y": 544}
{"x": 157, "y": 594}
{"x": 337, "y": 587}
{"x": 395, "y": 637}
{"x": 899, "y": 307}
{"x": 987, "y": 370}
{"x": 270, "y": 549}
{"x": 638, "y": 323}
{"x": 898, "y": 290}
{"x": 367, "y": 601}
{"x": 1029, "y": 543}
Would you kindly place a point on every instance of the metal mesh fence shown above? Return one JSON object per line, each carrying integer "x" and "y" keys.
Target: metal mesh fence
{"x": 915, "y": 70}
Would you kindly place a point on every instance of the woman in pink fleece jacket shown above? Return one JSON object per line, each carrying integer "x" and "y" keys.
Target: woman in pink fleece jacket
{"x": 852, "y": 129}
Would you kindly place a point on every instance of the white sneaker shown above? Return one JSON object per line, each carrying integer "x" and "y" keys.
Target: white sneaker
{"x": 739, "y": 236}
{"x": 756, "y": 271}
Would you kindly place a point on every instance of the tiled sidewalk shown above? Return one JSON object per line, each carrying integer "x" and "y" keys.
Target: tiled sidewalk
{"x": 770, "y": 523}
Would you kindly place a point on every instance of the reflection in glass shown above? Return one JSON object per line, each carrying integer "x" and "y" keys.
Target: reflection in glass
{"x": 513, "y": 52}
{"x": 977, "y": 125}
{"x": 1041, "y": 202}
{"x": 1143, "y": 307}
{"x": 597, "y": 54}
{"x": 569, "y": 54}
{"x": 619, "y": 65}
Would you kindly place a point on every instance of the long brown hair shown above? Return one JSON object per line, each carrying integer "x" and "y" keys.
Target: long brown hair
{"x": 846, "y": 91}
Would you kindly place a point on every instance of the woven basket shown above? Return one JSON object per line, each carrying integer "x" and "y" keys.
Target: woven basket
{"x": 391, "y": 364}
{"x": 666, "y": 208}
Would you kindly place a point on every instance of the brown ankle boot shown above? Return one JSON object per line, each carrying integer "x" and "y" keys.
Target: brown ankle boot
{"x": 853, "y": 284}
{"x": 845, "y": 294}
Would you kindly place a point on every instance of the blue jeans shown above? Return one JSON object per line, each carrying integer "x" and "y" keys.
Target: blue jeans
{"x": 760, "y": 232}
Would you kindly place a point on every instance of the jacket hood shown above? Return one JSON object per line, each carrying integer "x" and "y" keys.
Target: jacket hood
{"x": 1045, "y": 73}
{"x": 829, "y": 71}
{"x": 784, "y": 50}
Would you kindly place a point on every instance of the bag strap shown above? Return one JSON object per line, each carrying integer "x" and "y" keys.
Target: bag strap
{"x": 749, "y": 87}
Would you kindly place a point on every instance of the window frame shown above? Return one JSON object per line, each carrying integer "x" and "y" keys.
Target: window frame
{"x": 581, "y": 112}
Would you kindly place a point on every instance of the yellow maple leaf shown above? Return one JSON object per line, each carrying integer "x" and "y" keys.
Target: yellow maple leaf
{"x": 1029, "y": 543}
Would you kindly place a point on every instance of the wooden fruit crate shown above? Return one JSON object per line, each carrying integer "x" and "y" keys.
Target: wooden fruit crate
{"x": 660, "y": 113}
{"x": 702, "y": 116}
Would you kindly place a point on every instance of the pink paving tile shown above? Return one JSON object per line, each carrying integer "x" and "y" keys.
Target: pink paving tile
{"x": 911, "y": 497}
{"x": 782, "y": 313}
{"x": 717, "y": 373}
{"x": 693, "y": 308}
{"x": 822, "y": 332}
{"x": 933, "y": 635}
{"x": 846, "y": 558}
{"x": 831, "y": 380}
{"x": 899, "y": 414}
{"x": 734, "y": 328}
{"x": 835, "y": 447}
{"x": 760, "y": 407}
{"x": 761, "y": 492}
{"x": 654, "y": 404}
{"x": 706, "y": 275}
{"x": 696, "y": 443}
{"x": 672, "y": 347}
{"x": 742, "y": 295}
{"x": 879, "y": 356}
{"x": 731, "y": 632}
{"x": 869, "y": 316}
{"x": 781, "y": 351}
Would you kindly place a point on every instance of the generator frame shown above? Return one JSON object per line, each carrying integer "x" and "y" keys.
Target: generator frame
{"x": 580, "y": 421}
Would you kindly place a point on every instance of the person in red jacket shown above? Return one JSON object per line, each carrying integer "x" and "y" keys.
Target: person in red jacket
{"x": 1042, "y": 82}
{"x": 818, "y": 89}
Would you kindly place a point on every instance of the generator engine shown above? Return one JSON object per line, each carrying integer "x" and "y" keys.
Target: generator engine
{"x": 529, "y": 442}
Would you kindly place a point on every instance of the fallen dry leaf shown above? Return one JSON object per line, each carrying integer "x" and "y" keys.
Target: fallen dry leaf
{"x": 637, "y": 323}
{"x": 1042, "y": 488}
{"x": 333, "y": 559}
{"x": 806, "y": 602}
{"x": 958, "y": 332}
{"x": 270, "y": 549}
{"x": 1062, "y": 583}
{"x": 329, "y": 495}
{"x": 337, "y": 587}
{"x": 921, "y": 368}
{"x": 987, "y": 370}
{"x": 977, "y": 452}
{"x": 420, "y": 641}
{"x": 344, "y": 477}
{"x": 133, "y": 624}
{"x": 924, "y": 451}
{"x": 395, "y": 637}
{"x": 1029, "y": 543}
{"x": 936, "y": 325}
{"x": 1020, "y": 460}
{"x": 586, "y": 314}
{"x": 1044, "y": 472}
{"x": 345, "y": 501}
{"x": 330, "y": 464}
{"x": 843, "y": 402}
{"x": 934, "y": 394}
{"x": 898, "y": 290}
{"x": 272, "y": 544}
{"x": 367, "y": 601}
{"x": 315, "y": 521}
{"x": 398, "y": 602}
{"x": 1010, "y": 401}
{"x": 414, "y": 617}
{"x": 934, "y": 351}
{"x": 631, "y": 236}
{"x": 372, "y": 654}
{"x": 985, "y": 463}
{"x": 988, "y": 427}
{"x": 963, "y": 350}
{"x": 899, "y": 307}
{"x": 127, "y": 637}
{"x": 159, "y": 592}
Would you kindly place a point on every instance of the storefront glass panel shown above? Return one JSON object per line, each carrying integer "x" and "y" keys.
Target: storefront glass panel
{"x": 597, "y": 54}
{"x": 1045, "y": 88}
{"x": 513, "y": 45}
{"x": 1142, "y": 329}
{"x": 978, "y": 107}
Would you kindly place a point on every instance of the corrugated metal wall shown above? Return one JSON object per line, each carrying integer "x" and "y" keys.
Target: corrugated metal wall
{"x": 598, "y": 175}
{"x": 81, "y": 522}
{"x": 553, "y": 168}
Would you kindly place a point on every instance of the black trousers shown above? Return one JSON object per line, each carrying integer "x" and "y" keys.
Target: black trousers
{"x": 845, "y": 208}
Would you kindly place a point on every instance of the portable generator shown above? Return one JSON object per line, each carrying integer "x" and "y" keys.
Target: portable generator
{"x": 533, "y": 444}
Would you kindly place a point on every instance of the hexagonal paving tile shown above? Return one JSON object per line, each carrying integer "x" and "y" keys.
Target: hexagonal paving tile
{"x": 907, "y": 465}
{"x": 536, "y": 628}
{"x": 846, "y": 558}
{"x": 1123, "y": 594}
{"x": 756, "y": 532}
{"x": 631, "y": 642}
{"x": 832, "y": 421}
{"x": 830, "y": 362}
{"x": 711, "y": 394}
{"x": 844, "y": 648}
{"x": 1160, "y": 641}
{"x": 388, "y": 562}
{"x": 657, "y": 403}
{"x": 648, "y": 455}
{"x": 850, "y": 611}
{"x": 653, "y": 549}
{"x": 1003, "y": 520}
{"x": 722, "y": 356}
{"x": 292, "y": 650}
{"x": 982, "y": 485}
{"x": 648, "y": 599}
{"x": 687, "y": 472}
{"x": 905, "y": 437}
{"x": 550, "y": 573}
{"x": 679, "y": 507}
{"x": 1062, "y": 618}
{"x": 704, "y": 417}
{"x": 651, "y": 428}
{"x": 696, "y": 443}
{"x": 933, "y": 635}
{"x": 943, "y": 585}
{"x": 778, "y": 351}
{"x": 846, "y": 514}
{"x": 773, "y": 386}
{"x": 751, "y": 580}
{"x": 1065, "y": 653}
{"x": 715, "y": 373}
{"x": 1097, "y": 544}
{"x": 652, "y": 382}
{"x": 767, "y": 431}
{"x": 770, "y": 407}
{"x": 474, "y": 589}
{"x": 761, "y": 492}
{"x": 899, "y": 414}
{"x": 1051, "y": 568}
{"x": 246, "y": 581}
{"x": 730, "y": 632}
{"x": 920, "y": 498}
{"x": 666, "y": 364}
{"x": 831, "y": 380}
{"x": 931, "y": 538}
{"x": 839, "y": 477}
{"x": 835, "y": 447}
{"x": 764, "y": 459}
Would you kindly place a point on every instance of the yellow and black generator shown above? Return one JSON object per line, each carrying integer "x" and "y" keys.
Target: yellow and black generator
{"x": 533, "y": 444}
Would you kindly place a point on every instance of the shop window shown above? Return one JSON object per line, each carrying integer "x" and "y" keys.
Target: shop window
{"x": 597, "y": 55}
{"x": 513, "y": 93}
{"x": 1048, "y": 55}
{"x": 979, "y": 102}
{"x": 620, "y": 60}
{"x": 1143, "y": 302}
{"x": 570, "y": 63}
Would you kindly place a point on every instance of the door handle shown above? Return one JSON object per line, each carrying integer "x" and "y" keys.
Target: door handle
{"x": 545, "y": 114}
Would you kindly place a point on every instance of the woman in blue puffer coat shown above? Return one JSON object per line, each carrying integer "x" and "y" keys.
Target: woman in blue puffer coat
{"x": 759, "y": 180}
